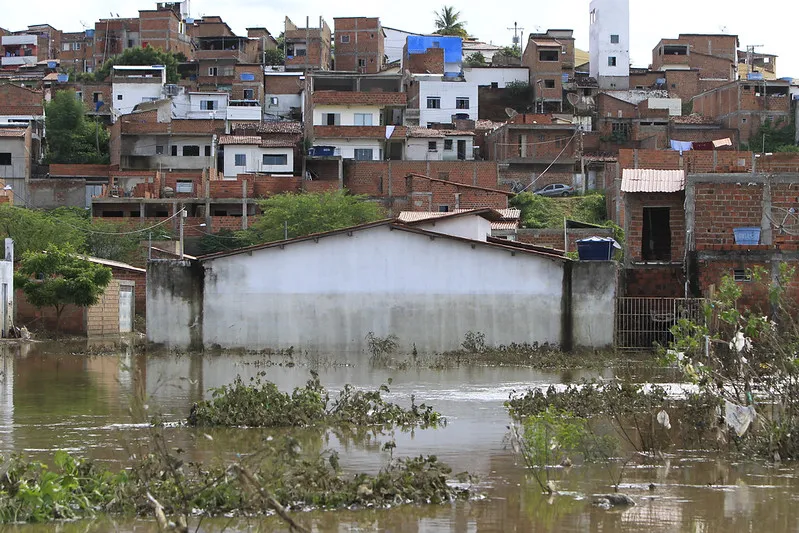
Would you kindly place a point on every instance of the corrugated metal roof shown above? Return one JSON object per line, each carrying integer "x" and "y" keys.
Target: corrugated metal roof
{"x": 648, "y": 180}
{"x": 239, "y": 139}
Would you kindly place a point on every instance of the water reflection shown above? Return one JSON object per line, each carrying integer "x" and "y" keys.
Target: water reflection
{"x": 53, "y": 398}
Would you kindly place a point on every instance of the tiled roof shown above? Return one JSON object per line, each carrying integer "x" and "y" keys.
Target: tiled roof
{"x": 12, "y": 132}
{"x": 646, "y": 180}
{"x": 428, "y": 133}
{"x": 483, "y": 124}
{"x": 357, "y": 132}
{"x": 280, "y": 127}
{"x": 25, "y": 110}
{"x": 197, "y": 126}
{"x": 239, "y": 139}
{"x": 283, "y": 141}
{"x": 694, "y": 118}
{"x": 359, "y": 98}
{"x": 508, "y": 215}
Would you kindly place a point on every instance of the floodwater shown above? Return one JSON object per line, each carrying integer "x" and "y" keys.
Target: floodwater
{"x": 54, "y": 399}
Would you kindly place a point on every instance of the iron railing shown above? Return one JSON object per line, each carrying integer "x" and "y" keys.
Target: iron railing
{"x": 643, "y": 323}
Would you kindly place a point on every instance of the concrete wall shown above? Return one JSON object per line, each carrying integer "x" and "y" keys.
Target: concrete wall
{"x": 174, "y": 303}
{"x": 417, "y": 149}
{"x": 52, "y": 193}
{"x": 448, "y": 91}
{"x": 7, "y": 287}
{"x": 485, "y": 76}
{"x": 133, "y": 94}
{"x": 426, "y": 291}
{"x": 18, "y": 167}
{"x": 468, "y": 227}
{"x": 347, "y": 114}
{"x": 347, "y": 147}
{"x": 593, "y": 302}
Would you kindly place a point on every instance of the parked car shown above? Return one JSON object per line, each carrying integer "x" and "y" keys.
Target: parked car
{"x": 555, "y": 189}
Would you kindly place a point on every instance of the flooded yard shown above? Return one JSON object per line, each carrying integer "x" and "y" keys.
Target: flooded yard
{"x": 94, "y": 406}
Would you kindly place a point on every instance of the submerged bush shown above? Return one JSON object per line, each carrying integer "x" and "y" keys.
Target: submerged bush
{"x": 261, "y": 404}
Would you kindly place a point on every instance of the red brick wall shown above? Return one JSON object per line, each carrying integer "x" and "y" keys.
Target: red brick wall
{"x": 366, "y": 42}
{"x": 634, "y": 204}
{"x": 72, "y": 318}
{"x": 372, "y": 177}
{"x": 431, "y": 61}
{"x": 429, "y": 195}
{"x": 721, "y": 207}
{"x": 666, "y": 281}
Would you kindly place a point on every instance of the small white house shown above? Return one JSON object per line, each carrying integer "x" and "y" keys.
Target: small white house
{"x": 442, "y": 98}
{"x": 427, "y": 286}
{"x": 245, "y": 154}
{"x": 425, "y": 144}
{"x": 133, "y": 84}
{"x": 200, "y": 105}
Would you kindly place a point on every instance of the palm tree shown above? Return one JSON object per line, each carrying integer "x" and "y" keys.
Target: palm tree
{"x": 447, "y": 22}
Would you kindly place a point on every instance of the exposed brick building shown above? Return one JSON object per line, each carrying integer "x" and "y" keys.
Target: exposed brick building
{"x": 308, "y": 48}
{"x": 549, "y": 56}
{"x": 360, "y": 44}
{"x": 714, "y": 57}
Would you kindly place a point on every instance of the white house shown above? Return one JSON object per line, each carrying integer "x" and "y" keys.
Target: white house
{"x": 609, "y": 43}
{"x": 429, "y": 287}
{"x": 496, "y": 77}
{"x": 200, "y": 105}
{"x": 134, "y": 84}
{"x": 246, "y": 154}
{"x": 441, "y": 98}
{"x": 426, "y": 144}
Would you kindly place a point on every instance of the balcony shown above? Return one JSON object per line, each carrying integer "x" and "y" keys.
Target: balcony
{"x": 19, "y": 40}
{"x": 18, "y": 60}
{"x": 244, "y": 112}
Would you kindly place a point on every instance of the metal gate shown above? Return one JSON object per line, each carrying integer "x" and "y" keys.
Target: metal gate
{"x": 641, "y": 323}
{"x": 125, "y": 308}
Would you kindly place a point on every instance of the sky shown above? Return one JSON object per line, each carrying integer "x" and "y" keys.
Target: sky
{"x": 772, "y": 27}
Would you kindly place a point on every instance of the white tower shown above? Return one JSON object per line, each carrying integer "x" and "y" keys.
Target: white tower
{"x": 609, "y": 43}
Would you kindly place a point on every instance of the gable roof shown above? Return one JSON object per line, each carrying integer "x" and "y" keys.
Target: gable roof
{"x": 391, "y": 224}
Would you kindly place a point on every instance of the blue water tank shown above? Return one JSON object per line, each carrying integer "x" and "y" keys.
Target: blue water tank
{"x": 51, "y": 64}
{"x": 62, "y": 78}
{"x": 90, "y": 34}
{"x": 246, "y": 76}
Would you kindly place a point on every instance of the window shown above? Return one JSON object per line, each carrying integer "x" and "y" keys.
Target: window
{"x": 240, "y": 160}
{"x": 443, "y": 209}
{"x": 345, "y": 39}
{"x": 656, "y": 235}
{"x": 620, "y": 131}
{"x": 611, "y": 61}
{"x": 432, "y": 146}
{"x": 273, "y": 100}
{"x": 184, "y": 186}
{"x": 174, "y": 150}
{"x": 76, "y": 46}
{"x": 548, "y": 55}
{"x": 331, "y": 119}
{"x": 494, "y": 85}
{"x": 433, "y": 102}
{"x": 212, "y": 71}
{"x": 79, "y": 96}
{"x": 5, "y": 159}
{"x": 97, "y": 97}
{"x": 593, "y": 16}
{"x": 614, "y": 39}
{"x": 549, "y": 84}
{"x": 741, "y": 275}
{"x": 276, "y": 160}
{"x": 447, "y": 144}
{"x": 208, "y": 105}
{"x": 361, "y": 62}
{"x": 300, "y": 52}
{"x": 131, "y": 43}
{"x": 191, "y": 150}
{"x": 363, "y": 119}
{"x": 363, "y": 154}
{"x": 66, "y": 46}
{"x": 119, "y": 97}
{"x": 159, "y": 149}
{"x": 461, "y": 103}
{"x": 207, "y": 150}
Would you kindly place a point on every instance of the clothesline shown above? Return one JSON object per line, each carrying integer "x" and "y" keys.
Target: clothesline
{"x": 685, "y": 146}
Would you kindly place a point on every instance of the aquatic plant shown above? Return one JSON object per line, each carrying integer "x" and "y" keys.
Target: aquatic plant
{"x": 261, "y": 404}
{"x": 381, "y": 347}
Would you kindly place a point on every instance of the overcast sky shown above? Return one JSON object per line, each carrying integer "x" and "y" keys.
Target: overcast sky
{"x": 774, "y": 27}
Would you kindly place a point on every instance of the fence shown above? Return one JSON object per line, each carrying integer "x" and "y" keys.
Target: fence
{"x": 641, "y": 323}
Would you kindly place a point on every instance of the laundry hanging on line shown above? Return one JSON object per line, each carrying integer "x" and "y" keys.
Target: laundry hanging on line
{"x": 684, "y": 146}
{"x": 681, "y": 146}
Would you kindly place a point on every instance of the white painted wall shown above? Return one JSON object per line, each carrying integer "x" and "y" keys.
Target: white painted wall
{"x": 394, "y": 43}
{"x": 346, "y": 147}
{"x": 254, "y": 160}
{"x": 610, "y": 17}
{"x": 347, "y": 114}
{"x": 468, "y": 227}
{"x": 126, "y": 96}
{"x": 674, "y": 105}
{"x": 485, "y": 76}
{"x": 189, "y": 106}
{"x": 428, "y": 292}
{"x": 448, "y": 91}
{"x": 17, "y": 169}
{"x": 417, "y": 148}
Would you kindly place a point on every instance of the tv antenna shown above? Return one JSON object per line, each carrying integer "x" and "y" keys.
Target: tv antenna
{"x": 516, "y": 31}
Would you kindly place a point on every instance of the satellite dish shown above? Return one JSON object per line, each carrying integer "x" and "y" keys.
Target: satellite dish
{"x": 573, "y": 99}
{"x": 511, "y": 112}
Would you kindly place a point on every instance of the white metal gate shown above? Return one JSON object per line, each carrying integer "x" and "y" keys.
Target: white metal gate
{"x": 125, "y": 308}
{"x": 643, "y": 322}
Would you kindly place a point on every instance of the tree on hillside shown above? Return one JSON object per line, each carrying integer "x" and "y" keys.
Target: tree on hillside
{"x": 70, "y": 137}
{"x": 143, "y": 56}
{"x": 476, "y": 59}
{"x": 274, "y": 57}
{"x": 58, "y": 277}
{"x": 448, "y": 22}
{"x": 34, "y": 231}
{"x": 306, "y": 213}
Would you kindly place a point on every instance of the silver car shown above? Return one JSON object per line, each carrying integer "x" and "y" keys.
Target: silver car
{"x": 556, "y": 189}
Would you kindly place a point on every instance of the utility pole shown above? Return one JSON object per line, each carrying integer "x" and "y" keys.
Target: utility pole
{"x": 182, "y": 215}
{"x": 516, "y": 40}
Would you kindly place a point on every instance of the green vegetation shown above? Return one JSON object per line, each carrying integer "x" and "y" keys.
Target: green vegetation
{"x": 520, "y": 96}
{"x": 448, "y": 22}
{"x": 476, "y": 59}
{"x": 143, "y": 56}
{"x": 261, "y": 404}
{"x": 274, "y": 57}
{"x": 511, "y": 51}
{"x": 544, "y": 212}
{"x": 302, "y": 214}
{"x": 779, "y": 136}
{"x": 70, "y": 137}
{"x": 58, "y": 277}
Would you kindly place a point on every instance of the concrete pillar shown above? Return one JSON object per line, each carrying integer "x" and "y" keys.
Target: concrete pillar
{"x": 243, "y": 204}
{"x": 766, "y": 233}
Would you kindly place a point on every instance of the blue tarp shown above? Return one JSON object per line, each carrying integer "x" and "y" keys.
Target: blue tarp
{"x": 453, "y": 46}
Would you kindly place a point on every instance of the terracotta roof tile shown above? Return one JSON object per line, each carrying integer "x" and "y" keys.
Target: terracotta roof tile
{"x": 280, "y": 127}
{"x": 429, "y": 133}
{"x": 21, "y": 110}
{"x": 12, "y": 132}
{"x": 359, "y": 98}
{"x": 239, "y": 139}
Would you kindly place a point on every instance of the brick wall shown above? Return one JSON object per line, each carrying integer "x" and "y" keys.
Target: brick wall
{"x": 366, "y": 42}
{"x": 553, "y": 237}
{"x": 140, "y": 290}
{"x": 666, "y": 281}
{"x": 431, "y": 61}
{"x": 103, "y": 317}
{"x": 634, "y": 209}
{"x": 430, "y": 194}
{"x": 720, "y": 207}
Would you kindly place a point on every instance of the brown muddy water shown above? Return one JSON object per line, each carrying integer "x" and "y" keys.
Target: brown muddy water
{"x": 52, "y": 399}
